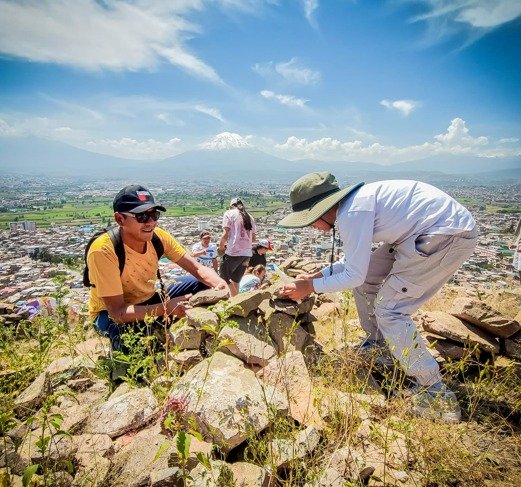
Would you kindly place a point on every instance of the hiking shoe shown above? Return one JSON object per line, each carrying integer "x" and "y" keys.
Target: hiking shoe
{"x": 374, "y": 351}
{"x": 436, "y": 402}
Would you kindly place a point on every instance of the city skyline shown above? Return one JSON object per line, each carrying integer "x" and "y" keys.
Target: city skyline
{"x": 393, "y": 81}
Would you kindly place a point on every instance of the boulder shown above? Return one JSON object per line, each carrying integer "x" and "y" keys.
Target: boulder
{"x": 441, "y": 348}
{"x": 207, "y": 297}
{"x": 186, "y": 337}
{"x": 484, "y": 317}
{"x": 286, "y": 333}
{"x": 246, "y": 347}
{"x": 326, "y": 311}
{"x": 92, "y": 444}
{"x": 123, "y": 413}
{"x": 351, "y": 465}
{"x": 185, "y": 359}
{"x": 286, "y": 451}
{"x": 328, "y": 478}
{"x": 253, "y": 326}
{"x": 512, "y": 346}
{"x": 148, "y": 451}
{"x": 226, "y": 400}
{"x": 197, "y": 317}
{"x": 446, "y": 325}
{"x": 167, "y": 477}
{"x": 249, "y": 475}
{"x": 32, "y": 398}
{"x": 289, "y": 375}
{"x": 92, "y": 471}
{"x": 293, "y": 308}
{"x": 244, "y": 303}
{"x": 94, "y": 348}
{"x": 66, "y": 368}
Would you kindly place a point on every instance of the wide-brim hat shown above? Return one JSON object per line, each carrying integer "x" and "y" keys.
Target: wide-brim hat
{"x": 312, "y": 196}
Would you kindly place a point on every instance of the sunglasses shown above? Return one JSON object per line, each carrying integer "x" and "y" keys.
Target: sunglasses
{"x": 145, "y": 216}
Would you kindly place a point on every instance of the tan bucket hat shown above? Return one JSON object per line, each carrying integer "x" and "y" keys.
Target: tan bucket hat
{"x": 312, "y": 196}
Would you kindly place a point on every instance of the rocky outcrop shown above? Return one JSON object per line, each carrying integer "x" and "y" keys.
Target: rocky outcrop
{"x": 484, "y": 317}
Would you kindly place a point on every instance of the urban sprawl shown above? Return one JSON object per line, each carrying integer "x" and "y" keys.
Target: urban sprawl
{"x": 24, "y": 275}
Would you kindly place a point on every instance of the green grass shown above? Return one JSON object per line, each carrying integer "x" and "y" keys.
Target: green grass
{"x": 98, "y": 211}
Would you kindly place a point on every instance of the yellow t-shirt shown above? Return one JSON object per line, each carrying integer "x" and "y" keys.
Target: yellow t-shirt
{"x": 137, "y": 282}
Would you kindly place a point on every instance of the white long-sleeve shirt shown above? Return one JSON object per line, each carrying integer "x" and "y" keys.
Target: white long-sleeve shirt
{"x": 390, "y": 212}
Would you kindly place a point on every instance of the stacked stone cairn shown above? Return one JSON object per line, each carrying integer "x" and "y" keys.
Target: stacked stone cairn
{"x": 236, "y": 366}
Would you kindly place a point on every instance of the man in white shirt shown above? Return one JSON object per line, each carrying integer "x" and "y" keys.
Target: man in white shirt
{"x": 426, "y": 237}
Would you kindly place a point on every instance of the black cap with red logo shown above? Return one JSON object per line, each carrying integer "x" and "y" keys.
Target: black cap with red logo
{"x": 135, "y": 199}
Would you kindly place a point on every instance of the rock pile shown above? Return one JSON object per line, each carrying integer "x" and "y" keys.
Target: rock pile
{"x": 236, "y": 368}
{"x": 471, "y": 324}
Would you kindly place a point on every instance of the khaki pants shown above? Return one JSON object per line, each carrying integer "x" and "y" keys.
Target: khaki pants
{"x": 400, "y": 279}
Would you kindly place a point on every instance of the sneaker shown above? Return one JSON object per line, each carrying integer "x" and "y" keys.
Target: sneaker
{"x": 436, "y": 402}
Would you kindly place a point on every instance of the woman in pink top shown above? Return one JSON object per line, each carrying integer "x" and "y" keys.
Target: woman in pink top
{"x": 238, "y": 234}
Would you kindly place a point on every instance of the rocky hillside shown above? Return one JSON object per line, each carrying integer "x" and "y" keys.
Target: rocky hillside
{"x": 259, "y": 391}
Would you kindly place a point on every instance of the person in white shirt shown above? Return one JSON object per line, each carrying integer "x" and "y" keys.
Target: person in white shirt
{"x": 204, "y": 251}
{"x": 426, "y": 235}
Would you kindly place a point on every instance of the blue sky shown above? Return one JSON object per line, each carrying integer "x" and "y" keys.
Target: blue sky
{"x": 365, "y": 81}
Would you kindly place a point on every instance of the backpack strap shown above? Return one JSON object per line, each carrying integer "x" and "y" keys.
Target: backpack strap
{"x": 119, "y": 249}
{"x": 160, "y": 250}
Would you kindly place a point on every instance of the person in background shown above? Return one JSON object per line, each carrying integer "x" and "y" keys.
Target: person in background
{"x": 204, "y": 251}
{"x": 259, "y": 251}
{"x": 426, "y": 237}
{"x": 235, "y": 244}
{"x": 252, "y": 279}
{"x": 118, "y": 302}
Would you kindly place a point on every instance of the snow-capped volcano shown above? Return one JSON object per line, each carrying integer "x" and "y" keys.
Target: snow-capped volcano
{"x": 226, "y": 141}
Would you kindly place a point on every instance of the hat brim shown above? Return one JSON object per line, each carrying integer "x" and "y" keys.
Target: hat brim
{"x": 304, "y": 218}
{"x": 146, "y": 207}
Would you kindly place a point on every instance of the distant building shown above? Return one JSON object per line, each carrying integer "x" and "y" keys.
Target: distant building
{"x": 202, "y": 225}
{"x": 27, "y": 226}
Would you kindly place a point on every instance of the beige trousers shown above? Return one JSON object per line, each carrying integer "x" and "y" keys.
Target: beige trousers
{"x": 400, "y": 279}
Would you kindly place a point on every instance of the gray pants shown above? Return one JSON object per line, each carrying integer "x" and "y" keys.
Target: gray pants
{"x": 400, "y": 279}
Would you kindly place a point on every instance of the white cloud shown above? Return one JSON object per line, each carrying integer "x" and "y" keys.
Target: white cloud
{"x": 291, "y": 71}
{"x": 211, "y": 112}
{"x": 287, "y": 100}
{"x": 93, "y": 35}
{"x": 447, "y": 17}
{"x": 310, "y": 6}
{"x": 226, "y": 140}
{"x": 294, "y": 72}
{"x": 405, "y": 107}
{"x": 129, "y": 148}
{"x": 508, "y": 140}
{"x": 456, "y": 140}
{"x": 7, "y": 130}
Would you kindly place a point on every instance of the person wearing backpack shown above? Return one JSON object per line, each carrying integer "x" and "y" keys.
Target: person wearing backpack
{"x": 122, "y": 269}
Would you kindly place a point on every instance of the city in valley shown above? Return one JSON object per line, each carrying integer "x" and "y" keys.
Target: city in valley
{"x": 45, "y": 225}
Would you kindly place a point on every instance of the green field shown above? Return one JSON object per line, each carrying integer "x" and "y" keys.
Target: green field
{"x": 491, "y": 207}
{"x": 99, "y": 211}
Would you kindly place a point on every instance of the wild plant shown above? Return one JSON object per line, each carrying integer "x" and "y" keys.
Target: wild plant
{"x": 50, "y": 433}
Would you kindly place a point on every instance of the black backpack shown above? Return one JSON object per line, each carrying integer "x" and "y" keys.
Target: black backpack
{"x": 119, "y": 248}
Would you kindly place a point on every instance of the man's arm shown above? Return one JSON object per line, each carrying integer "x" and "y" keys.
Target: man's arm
{"x": 122, "y": 312}
{"x": 204, "y": 274}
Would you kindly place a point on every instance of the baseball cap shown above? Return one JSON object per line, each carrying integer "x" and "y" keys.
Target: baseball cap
{"x": 235, "y": 201}
{"x": 265, "y": 243}
{"x": 135, "y": 199}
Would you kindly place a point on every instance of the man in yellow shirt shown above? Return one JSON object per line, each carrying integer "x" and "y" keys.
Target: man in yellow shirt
{"x": 117, "y": 298}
